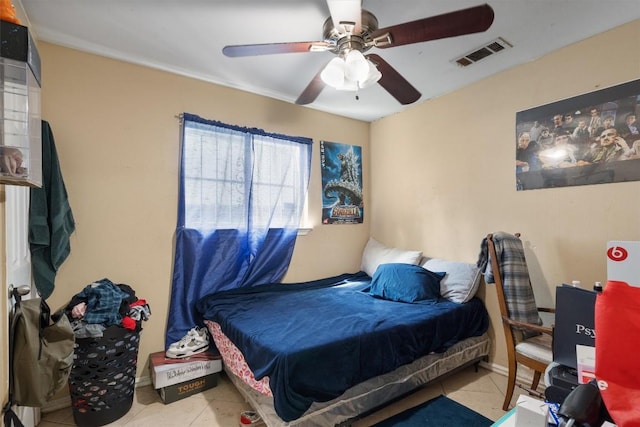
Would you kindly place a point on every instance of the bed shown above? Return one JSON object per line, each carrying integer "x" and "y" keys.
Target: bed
{"x": 326, "y": 351}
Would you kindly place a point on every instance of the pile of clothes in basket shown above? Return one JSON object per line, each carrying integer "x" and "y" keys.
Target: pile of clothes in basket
{"x": 102, "y": 304}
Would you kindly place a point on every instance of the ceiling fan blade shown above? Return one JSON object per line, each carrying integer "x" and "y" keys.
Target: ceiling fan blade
{"x": 274, "y": 48}
{"x": 313, "y": 89}
{"x": 346, "y": 11}
{"x": 394, "y": 83}
{"x": 466, "y": 21}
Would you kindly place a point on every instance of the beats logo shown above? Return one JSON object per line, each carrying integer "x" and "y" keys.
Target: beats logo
{"x": 617, "y": 253}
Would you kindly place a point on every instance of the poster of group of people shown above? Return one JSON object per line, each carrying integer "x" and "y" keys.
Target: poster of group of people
{"x": 589, "y": 139}
{"x": 341, "y": 166}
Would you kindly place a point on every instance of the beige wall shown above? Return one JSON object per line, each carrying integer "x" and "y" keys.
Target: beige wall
{"x": 444, "y": 174}
{"x": 460, "y": 151}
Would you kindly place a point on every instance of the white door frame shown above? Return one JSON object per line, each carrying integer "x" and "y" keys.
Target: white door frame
{"x": 18, "y": 259}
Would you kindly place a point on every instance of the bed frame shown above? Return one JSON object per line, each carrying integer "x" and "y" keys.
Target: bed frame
{"x": 372, "y": 394}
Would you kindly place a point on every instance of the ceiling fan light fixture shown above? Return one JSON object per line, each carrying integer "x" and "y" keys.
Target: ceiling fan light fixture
{"x": 356, "y": 66}
{"x": 350, "y": 74}
{"x": 349, "y": 86}
{"x": 333, "y": 74}
{"x": 373, "y": 75}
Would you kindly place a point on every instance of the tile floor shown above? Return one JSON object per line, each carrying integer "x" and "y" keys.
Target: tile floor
{"x": 482, "y": 391}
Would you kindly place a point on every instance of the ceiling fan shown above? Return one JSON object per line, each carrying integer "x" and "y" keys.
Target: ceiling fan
{"x": 351, "y": 31}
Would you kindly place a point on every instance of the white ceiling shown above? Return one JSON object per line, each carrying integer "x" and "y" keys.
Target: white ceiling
{"x": 187, "y": 36}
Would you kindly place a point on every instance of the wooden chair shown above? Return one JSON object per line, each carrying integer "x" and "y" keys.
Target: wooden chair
{"x": 528, "y": 342}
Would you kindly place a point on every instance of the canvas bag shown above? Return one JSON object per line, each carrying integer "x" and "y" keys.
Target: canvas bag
{"x": 617, "y": 365}
{"x": 42, "y": 352}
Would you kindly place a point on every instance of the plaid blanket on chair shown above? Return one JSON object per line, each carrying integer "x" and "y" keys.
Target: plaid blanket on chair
{"x": 518, "y": 292}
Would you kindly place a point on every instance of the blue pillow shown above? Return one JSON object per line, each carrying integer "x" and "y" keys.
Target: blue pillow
{"x": 405, "y": 283}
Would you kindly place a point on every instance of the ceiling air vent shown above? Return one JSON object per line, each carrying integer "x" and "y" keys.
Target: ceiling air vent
{"x": 489, "y": 49}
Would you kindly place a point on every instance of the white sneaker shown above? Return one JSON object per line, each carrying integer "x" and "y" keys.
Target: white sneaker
{"x": 193, "y": 332}
{"x": 194, "y": 342}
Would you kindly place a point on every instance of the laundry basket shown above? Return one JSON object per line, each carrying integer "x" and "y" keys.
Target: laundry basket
{"x": 103, "y": 375}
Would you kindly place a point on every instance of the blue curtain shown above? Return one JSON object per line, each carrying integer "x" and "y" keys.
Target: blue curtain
{"x": 241, "y": 196}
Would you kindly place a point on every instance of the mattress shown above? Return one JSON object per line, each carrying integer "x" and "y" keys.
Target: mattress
{"x": 373, "y": 393}
{"x": 316, "y": 340}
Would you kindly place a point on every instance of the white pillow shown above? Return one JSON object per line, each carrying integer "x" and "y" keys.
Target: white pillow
{"x": 461, "y": 281}
{"x": 376, "y": 253}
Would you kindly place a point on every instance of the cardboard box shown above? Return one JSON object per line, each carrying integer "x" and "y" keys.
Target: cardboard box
{"x": 179, "y": 391}
{"x": 531, "y": 412}
{"x": 166, "y": 372}
{"x": 623, "y": 262}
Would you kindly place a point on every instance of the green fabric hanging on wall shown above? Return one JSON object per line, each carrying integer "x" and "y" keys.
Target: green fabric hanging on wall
{"x": 50, "y": 219}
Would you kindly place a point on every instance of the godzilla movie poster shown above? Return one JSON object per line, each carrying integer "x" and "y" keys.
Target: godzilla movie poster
{"x": 341, "y": 166}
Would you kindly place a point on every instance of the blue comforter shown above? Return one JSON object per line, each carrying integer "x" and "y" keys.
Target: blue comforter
{"x": 317, "y": 339}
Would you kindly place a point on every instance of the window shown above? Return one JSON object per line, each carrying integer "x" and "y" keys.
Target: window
{"x": 241, "y": 195}
{"x": 237, "y": 178}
